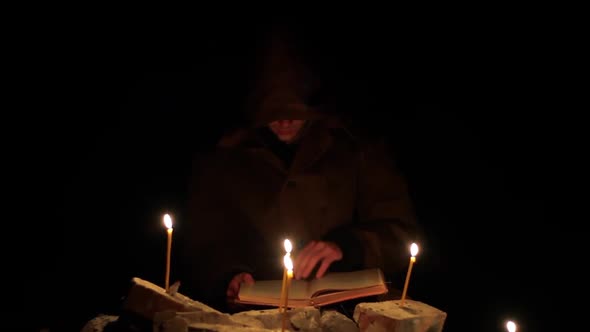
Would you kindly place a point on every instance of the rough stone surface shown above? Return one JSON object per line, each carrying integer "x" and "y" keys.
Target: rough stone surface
{"x": 171, "y": 321}
{"x": 333, "y": 321}
{"x": 204, "y": 327}
{"x": 300, "y": 319}
{"x": 413, "y": 316}
{"x": 164, "y": 312}
{"x": 146, "y": 299}
{"x": 99, "y": 323}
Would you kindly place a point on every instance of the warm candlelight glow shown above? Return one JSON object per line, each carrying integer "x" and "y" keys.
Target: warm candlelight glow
{"x": 289, "y": 267}
{"x": 510, "y": 326}
{"x": 167, "y": 221}
{"x": 413, "y": 252}
{"x": 288, "y": 263}
{"x": 288, "y": 246}
{"x": 168, "y": 224}
{"x": 414, "y": 249}
{"x": 287, "y": 276}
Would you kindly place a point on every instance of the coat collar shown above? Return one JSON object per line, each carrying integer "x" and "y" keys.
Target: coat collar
{"x": 311, "y": 148}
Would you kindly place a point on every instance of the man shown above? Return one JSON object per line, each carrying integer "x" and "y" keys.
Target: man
{"x": 295, "y": 172}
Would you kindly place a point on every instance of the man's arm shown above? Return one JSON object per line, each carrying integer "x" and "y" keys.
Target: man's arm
{"x": 385, "y": 223}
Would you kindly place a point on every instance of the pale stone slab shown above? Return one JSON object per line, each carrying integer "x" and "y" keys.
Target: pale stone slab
{"x": 413, "y": 316}
{"x": 146, "y": 299}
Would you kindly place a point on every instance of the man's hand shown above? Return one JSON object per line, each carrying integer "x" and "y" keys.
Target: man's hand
{"x": 234, "y": 285}
{"x": 316, "y": 252}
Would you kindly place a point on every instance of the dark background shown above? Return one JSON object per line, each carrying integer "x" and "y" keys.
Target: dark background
{"x": 110, "y": 110}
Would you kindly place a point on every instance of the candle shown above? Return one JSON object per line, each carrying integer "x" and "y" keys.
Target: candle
{"x": 511, "y": 326}
{"x": 289, "y": 267}
{"x": 169, "y": 229}
{"x": 414, "y": 252}
{"x": 288, "y": 247}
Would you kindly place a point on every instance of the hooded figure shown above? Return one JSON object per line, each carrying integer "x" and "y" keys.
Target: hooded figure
{"x": 294, "y": 172}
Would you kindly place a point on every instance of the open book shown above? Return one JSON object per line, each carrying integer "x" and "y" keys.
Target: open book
{"x": 331, "y": 288}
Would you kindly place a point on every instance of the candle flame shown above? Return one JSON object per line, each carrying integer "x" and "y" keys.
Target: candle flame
{"x": 167, "y": 221}
{"x": 414, "y": 249}
{"x": 288, "y": 262}
{"x": 511, "y": 326}
{"x": 288, "y": 246}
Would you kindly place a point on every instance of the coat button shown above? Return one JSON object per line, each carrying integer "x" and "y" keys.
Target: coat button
{"x": 290, "y": 184}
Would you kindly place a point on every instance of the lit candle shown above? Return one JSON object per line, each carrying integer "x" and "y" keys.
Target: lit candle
{"x": 414, "y": 252}
{"x": 511, "y": 326}
{"x": 168, "y": 224}
{"x": 288, "y": 247}
{"x": 289, "y": 267}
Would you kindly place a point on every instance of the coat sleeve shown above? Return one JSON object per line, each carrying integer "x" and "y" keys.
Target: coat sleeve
{"x": 209, "y": 258}
{"x": 385, "y": 224}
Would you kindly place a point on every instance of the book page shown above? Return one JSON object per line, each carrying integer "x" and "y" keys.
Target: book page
{"x": 271, "y": 289}
{"x": 343, "y": 295}
{"x": 347, "y": 280}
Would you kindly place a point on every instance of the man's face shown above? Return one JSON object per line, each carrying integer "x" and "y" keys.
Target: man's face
{"x": 286, "y": 130}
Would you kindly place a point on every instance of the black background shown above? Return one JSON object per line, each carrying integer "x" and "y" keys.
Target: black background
{"x": 110, "y": 108}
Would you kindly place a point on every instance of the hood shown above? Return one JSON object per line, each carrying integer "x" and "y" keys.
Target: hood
{"x": 284, "y": 86}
